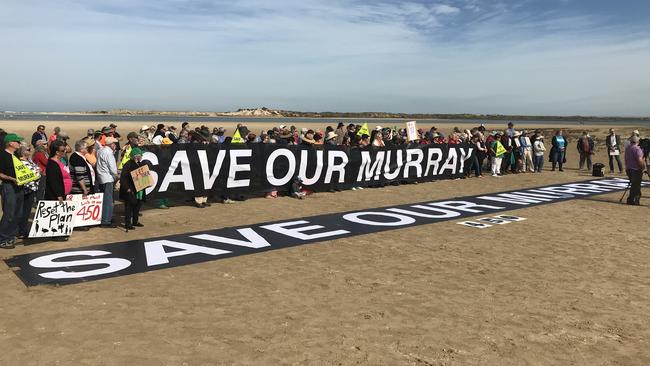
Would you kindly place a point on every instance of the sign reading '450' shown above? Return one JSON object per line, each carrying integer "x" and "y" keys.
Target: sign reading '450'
{"x": 89, "y": 209}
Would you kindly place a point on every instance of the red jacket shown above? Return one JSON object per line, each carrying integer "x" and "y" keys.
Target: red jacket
{"x": 41, "y": 159}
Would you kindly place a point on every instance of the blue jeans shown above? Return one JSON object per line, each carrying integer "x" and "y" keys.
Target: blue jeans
{"x": 538, "y": 163}
{"x": 558, "y": 158}
{"x": 476, "y": 165}
{"x": 107, "y": 203}
{"x": 12, "y": 207}
{"x": 28, "y": 202}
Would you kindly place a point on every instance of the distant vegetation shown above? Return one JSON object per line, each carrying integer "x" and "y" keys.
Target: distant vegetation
{"x": 268, "y": 112}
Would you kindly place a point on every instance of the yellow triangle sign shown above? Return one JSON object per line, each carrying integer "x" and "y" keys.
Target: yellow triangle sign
{"x": 363, "y": 130}
{"x": 236, "y": 138}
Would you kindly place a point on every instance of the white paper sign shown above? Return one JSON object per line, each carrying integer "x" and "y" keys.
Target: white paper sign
{"x": 89, "y": 209}
{"x": 412, "y": 131}
{"x": 53, "y": 218}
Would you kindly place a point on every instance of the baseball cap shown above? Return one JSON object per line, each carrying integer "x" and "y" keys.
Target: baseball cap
{"x": 132, "y": 135}
{"x": 12, "y": 137}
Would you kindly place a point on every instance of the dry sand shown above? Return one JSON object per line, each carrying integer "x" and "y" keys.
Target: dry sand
{"x": 568, "y": 286}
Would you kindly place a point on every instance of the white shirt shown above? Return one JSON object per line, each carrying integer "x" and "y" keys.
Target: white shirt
{"x": 539, "y": 148}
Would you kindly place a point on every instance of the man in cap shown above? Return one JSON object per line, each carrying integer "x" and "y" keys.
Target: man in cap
{"x": 106, "y": 176}
{"x": 634, "y": 167}
{"x": 132, "y": 198}
{"x": 12, "y": 193}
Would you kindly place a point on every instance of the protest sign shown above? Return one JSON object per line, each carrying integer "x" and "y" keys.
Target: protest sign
{"x": 88, "y": 209}
{"x": 24, "y": 175}
{"x": 142, "y": 178}
{"x": 53, "y": 218}
{"x": 412, "y": 131}
{"x": 363, "y": 130}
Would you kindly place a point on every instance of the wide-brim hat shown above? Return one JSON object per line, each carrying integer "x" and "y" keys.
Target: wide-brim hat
{"x": 331, "y": 135}
{"x": 309, "y": 138}
{"x": 144, "y": 128}
{"x": 110, "y": 140}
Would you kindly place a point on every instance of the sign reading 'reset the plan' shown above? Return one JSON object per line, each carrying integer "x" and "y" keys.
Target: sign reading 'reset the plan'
{"x": 118, "y": 259}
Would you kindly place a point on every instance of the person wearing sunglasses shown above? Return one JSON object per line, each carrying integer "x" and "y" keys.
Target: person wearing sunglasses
{"x": 58, "y": 183}
{"x": 39, "y": 135}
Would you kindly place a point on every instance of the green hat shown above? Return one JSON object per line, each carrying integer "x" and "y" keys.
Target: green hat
{"x": 13, "y": 137}
{"x": 132, "y": 135}
{"x": 136, "y": 152}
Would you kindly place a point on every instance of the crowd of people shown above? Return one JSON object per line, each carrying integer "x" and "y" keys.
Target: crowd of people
{"x": 98, "y": 161}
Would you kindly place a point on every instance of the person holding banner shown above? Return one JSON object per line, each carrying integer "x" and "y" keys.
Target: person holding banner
{"x": 29, "y": 189}
{"x": 12, "y": 193}
{"x": 132, "y": 198}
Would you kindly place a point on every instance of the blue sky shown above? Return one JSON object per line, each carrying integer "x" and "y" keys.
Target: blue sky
{"x": 553, "y": 57}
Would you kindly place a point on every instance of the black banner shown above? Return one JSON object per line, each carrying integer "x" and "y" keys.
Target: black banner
{"x": 90, "y": 263}
{"x": 215, "y": 170}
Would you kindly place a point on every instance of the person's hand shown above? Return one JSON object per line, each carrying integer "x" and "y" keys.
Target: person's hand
{"x": 85, "y": 192}
{"x": 60, "y": 199}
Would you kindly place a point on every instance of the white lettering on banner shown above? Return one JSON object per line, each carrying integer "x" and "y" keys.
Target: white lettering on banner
{"x": 153, "y": 159}
{"x": 302, "y": 171}
{"x": 556, "y": 194}
{"x": 563, "y": 189}
{"x": 411, "y": 163}
{"x": 235, "y": 167}
{"x": 253, "y": 239}
{"x": 156, "y": 254}
{"x": 299, "y": 232}
{"x": 435, "y": 163}
{"x": 53, "y": 261}
{"x": 401, "y": 219}
{"x": 414, "y": 213}
{"x": 510, "y": 218}
{"x": 333, "y": 167}
{"x": 464, "y": 155}
{"x": 398, "y": 162}
{"x": 550, "y": 197}
{"x": 370, "y": 168}
{"x": 443, "y": 213}
{"x": 291, "y": 170}
{"x": 465, "y": 206}
{"x": 185, "y": 177}
{"x": 486, "y": 222}
{"x": 616, "y": 183}
{"x": 514, "y": 198}
{"x": 450, "y": 163}
{"x": 210, "y": 178}
{"x": 589, "y": 187}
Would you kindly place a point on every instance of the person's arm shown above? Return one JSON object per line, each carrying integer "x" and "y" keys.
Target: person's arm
{"x": 7, "y": 178}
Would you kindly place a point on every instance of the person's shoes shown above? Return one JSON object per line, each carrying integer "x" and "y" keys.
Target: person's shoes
{"x": 137, "y": 224}
{"x": 82, "y": 228}
{"x": 130, "y": 227}
{"x": 163, "y": 207}
{"x": 561, "y": 169}
{"x": 207, "y": 204}
{"x": 60, "y": 238}
{"x": 108, "y": 226}
{"x": 7, "y": 245}
{"x": 228, "y": 201}
{"x": 200, "y": 205}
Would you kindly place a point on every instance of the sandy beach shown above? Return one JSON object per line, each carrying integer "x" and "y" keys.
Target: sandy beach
{"x": 570, "y": 285}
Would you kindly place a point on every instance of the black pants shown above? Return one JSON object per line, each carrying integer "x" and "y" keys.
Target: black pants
{"x": 611, "y": 163}
{"x": 635, "y": 176}
{"x": 28, "y": 201}
{"x": 131, "y": 213}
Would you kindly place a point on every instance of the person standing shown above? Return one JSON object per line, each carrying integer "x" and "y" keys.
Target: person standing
{"x": 82, "y": 173}
{"x": 585, "y": 149}
{"x": 54, "y": 136}
{"x": 539, "y": 149}
{"x": 496, "y": 153}
{"x": 634, "y": 167}
{"x": 29, "y": 189}
{"x": 40, "y": 157}
{"x": 132, "y": 198}
{"x": 12, "y": 194}
{"x": 558, "y": 150}
{"x": 39, "y": 135}
{"x": 613, "y": 143}
{"x": 58, "y": 183}
{"x": 527, "y": 153}
{"x": 106, "y": 176}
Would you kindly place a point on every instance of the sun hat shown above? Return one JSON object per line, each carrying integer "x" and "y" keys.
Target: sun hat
{"x": 89, "y": 142}
{"x": 331, "y": 135}
{"x": 112, "y": 125}
{"x": 144, "y": 128}
{"x": 132, "y": 135}
{"x": 12, "y": 137}
{"x": 110, "y": 140}
{"x": 106, "y": 129}
{"x": 90, "y": 131}
{"x": 309, "y": 137}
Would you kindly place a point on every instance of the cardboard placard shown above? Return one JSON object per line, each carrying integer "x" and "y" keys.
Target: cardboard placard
{"x": 53, "y": 218}
{"x": 88, "y": 209}
{"x": 412, "y": 131}
{"x": 142, "y": 178}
